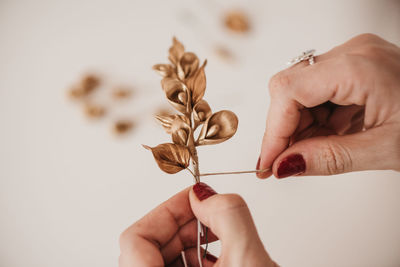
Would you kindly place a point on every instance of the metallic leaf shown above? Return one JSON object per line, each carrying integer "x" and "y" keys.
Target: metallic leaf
{"x": 176, "y": 125}
{"x": 171, "y": 158}
{"x": 218, "y": 128}
{"x": 177, "y": 93}
{"x": 165, "y": 70}
{"x": 197, "y": 84}
{"x": 201, "y": 112}
{"x": 176, "y": 51}
{"x": 188, "y": 65}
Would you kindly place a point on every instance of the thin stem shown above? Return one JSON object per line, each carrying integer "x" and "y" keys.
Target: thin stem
{"x": 184, "y": 258}
{"x": 235, "y": 172}
{"x": 191, "y": 172}
{"x": 198, "y": 243}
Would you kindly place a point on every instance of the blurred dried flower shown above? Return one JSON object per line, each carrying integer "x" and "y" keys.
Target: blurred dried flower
{"x": 121, "y": 93}
{"x": 237, "y": 21}
{"x": 224, "y": 53}
{"x": 94, "y": 111}
{"x": 85, "y": 87}
{"x": 122, "y": 126}
{"x": 90, "y": 82}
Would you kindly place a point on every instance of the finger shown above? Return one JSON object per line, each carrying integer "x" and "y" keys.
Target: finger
{"x": 192, "y": 259}
{"x": 344, "y": 117}
{"x": 185, "y": 238}
{"x": 141, "y": 243}
{"x": 327, "y": 155}
{"x": 228, "y": 216}
{"x": 291, "y": 92}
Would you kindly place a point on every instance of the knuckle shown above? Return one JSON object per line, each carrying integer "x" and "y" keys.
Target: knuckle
{"x": 336, "y": 158}
{"x": 279, "y": 81}
{"x": 367, "y": 37}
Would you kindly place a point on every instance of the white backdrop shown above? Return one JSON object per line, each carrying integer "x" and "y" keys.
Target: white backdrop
{"x": 68, "y": 187}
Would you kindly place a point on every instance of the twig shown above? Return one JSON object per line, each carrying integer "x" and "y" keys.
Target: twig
{"x": 184, "y": 258}
{"x": 235, "y": 172}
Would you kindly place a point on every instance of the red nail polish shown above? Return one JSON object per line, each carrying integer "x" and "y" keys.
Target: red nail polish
{"x": 211, "y": 258}
{"x": 258, "y": 163}
{"x": 203, "y": 191}
{"x": 291, "y": 165}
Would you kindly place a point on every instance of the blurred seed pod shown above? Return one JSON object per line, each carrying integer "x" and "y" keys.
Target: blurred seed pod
{"x": 94, "y": 110}
{"x": 89, "y": 82}
{"x": 237, "y": 21}
{"x": 188, "y": 65}
{"x": 201, "y": 112}
{"x": 122, "y": 126}
{"x": 197, "y": 84}
{"x": 177, "y": 93}
{"x": 119, "y": 93}
{"x": 176, "y": 51}
{"x": 218, "y": 128}
{"x": 171, "y": 158}
{"x": 165, "y": 70}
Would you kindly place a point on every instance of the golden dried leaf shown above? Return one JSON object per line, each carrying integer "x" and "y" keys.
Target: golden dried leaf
{"x": 237, "y": 21}
{"x": 165, "y": 70}
{"x": 177, "y": 93}
{"x": 197, "y": 84}
{"x": 201, "y": 112}
{"x": 171, "y": 158}
{"x": 188, "y": 65}
{"x": 180, "y": 131}
{"x": 167, "y": 121}
{"x": 176, "y": 51}
{"x": 218, "y": 128}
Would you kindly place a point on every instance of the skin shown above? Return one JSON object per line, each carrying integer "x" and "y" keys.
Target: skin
{"x": 226, "y": 215}
{"x": 319, "y": 111}
{"x": 341, "y": 114}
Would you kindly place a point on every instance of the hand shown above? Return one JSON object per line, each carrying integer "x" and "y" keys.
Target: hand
{"x": 338, "y": 115}
{"x": 159, "y": 237}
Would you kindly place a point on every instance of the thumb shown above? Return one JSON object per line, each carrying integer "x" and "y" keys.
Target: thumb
{"x": 229, "y": 218}
{"x": 327, "y": 155}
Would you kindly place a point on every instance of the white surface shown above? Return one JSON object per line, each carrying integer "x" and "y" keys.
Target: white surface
{"x": 68, "y": 187}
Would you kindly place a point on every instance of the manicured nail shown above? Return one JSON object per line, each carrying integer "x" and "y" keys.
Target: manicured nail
{"x": 291, "y": 165}
{"x": 258, "y": 163}
{"x": 203, "y": 191}
{"x": 211, "y": 257}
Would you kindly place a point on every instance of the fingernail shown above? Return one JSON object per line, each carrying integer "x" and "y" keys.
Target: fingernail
{"x": 291, "y": 165}
{"x": 211, "y": 257}
{"x": 203, "y": 191}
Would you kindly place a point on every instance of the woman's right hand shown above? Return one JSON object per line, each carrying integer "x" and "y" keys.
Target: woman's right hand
{"x": 338, "y": 115}
{"x": 159, "y": 237}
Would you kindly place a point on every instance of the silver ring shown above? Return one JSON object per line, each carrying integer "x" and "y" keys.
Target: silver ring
{"x": 307, "y": 55}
